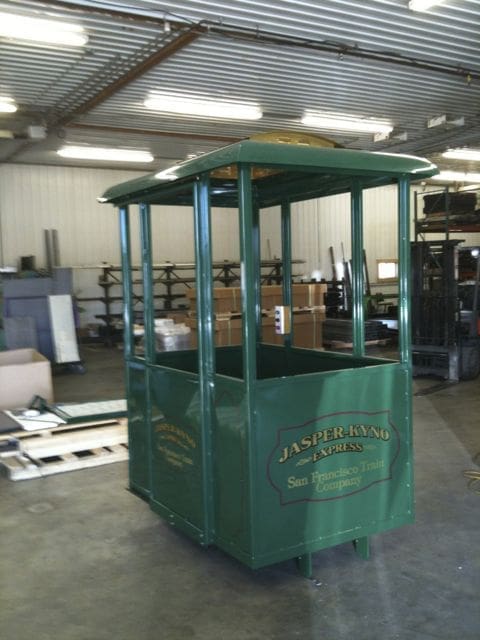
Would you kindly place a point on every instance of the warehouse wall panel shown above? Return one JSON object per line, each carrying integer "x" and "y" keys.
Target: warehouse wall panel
{"x": 34, "y": 198}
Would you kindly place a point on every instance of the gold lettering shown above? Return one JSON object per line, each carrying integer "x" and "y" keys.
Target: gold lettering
{"x": 306, "y": 442}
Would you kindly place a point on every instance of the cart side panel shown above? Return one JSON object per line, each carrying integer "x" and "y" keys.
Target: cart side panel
{"x": 232, "y": 520}
{"x": 176, "y": 448}
{"x": 138, "y": 429}
{"x": 334, "y": 459}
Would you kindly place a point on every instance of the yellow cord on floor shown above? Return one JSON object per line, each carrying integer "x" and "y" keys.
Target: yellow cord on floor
{"x": 473, "y": 476}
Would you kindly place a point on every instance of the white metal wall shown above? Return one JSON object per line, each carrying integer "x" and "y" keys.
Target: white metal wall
{"x": 34, "y": 198}
{"x": 320, "y": 224}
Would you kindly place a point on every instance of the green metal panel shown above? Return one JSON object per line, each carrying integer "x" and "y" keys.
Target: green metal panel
{"x": 139, "y": 442}
{"x": 232, "y": 477}
{"x": 334, "y": 460}
{"x": 176, "y": 449}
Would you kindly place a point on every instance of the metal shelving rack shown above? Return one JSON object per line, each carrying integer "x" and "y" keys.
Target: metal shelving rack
{"x": 443, "y": 344}
{"x": 175, "y": 279}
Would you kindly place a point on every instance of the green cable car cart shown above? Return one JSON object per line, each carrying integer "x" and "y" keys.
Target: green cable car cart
{"x": 269, "y": 452}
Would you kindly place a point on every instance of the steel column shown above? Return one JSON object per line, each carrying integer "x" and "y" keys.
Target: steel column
{"x": 404, "y": 330}
{"x": 148, "y": 301}
{"x": 287, "y": 265}
{"x": 125, "y": 249}
{"x": 256, "y": 246}
{"x": 357, "y": 269}
{"x": 247, "y": 275}
{"x": 206, "y": 347}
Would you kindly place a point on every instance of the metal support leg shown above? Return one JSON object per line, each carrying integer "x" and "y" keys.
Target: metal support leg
{"x": 304, "y": 564}
{"x": 362, "y": 547}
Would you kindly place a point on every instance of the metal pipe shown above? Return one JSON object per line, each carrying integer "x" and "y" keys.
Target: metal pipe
{"x": 257, "y": 282}
{"x": 247, "y": 277}
{"x": 404, "y": 270}
{"x": 125, "y": 249}
{"x": 48, "y": 250}
{"x": 55, "y": 248}
{"x": 357, "y": 270}
{"x": 148, "y": 302}
{"x": 287, "y": 265}
{"x": 206, "y": 347}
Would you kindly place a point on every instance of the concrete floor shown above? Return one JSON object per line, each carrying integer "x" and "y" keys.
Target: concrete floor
{"x": 83, "y": 559}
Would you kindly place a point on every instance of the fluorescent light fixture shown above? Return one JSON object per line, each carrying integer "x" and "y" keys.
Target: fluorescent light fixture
{"x": 346, "y": 124}
{"x": 457, "y": 176}
{"x": 445, "y": 121}
{"x": 104, "y": 153}
{"x": 7, "y": 105}
{"x": 423, "y": 5}
{"x": 42, "y": 31}
{"x": 462, "y": 154}
{"x": 203, "y": 108}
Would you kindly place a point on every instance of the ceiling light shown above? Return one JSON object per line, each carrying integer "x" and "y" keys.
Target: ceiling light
{"x": 103, "y": 153}
{"x": 346, "y": 124}
{"x": 7, "y": 105}
{"x": 423, "y": 5}
{"x": 445, "y": 121}
{"x": 462, "y": 154}
{"x": 42, "y": 31}
{"x": 203, "y": 108}
{"x": 457, "y": 176}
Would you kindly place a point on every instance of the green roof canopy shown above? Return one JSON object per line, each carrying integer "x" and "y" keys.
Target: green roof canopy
{"x": 297, "y": 172}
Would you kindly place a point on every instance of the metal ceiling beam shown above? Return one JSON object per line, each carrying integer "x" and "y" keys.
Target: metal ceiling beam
{"x": 183, "y": 40}
{"x": 115, "y": 12}
{"x": 266, "y": 37}
{"x": 153, "y": 132}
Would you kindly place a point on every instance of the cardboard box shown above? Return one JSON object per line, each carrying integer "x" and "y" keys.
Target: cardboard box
{"x": 309, "y": 295}
{"x": 307, "y": 327}
{"x": 229, "y": 299}
{"x": 228, "y": 331}
{"x": 24, "y": 373}
{"x": 225, "y": 299}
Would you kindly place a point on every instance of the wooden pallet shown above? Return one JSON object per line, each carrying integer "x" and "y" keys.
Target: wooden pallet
{"x": 65, "y": 448}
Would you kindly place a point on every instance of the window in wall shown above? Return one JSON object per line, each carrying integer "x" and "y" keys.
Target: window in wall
{"x": 387, "y": 269}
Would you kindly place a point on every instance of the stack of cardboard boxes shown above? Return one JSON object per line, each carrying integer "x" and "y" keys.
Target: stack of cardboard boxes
{"x": 308, "y": 315}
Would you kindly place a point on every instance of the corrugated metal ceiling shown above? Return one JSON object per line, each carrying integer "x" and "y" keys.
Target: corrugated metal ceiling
{"x": 371, "y": 58}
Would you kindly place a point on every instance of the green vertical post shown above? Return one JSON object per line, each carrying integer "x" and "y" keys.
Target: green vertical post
{"x": 404, "y": 330}
{"x": 125, "y": 249}
{"x": 247, "y": 274}
{"x": 148, "y": 301}
{"x": 149, "y": 327}
{"x": 287, "y": 265}
{"x": 357, "y": 269}
{"x": 256, "y": 246}
{"x": 206, "y": 348}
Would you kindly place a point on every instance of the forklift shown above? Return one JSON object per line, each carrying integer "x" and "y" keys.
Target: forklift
{"x": 445, "y": 336}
